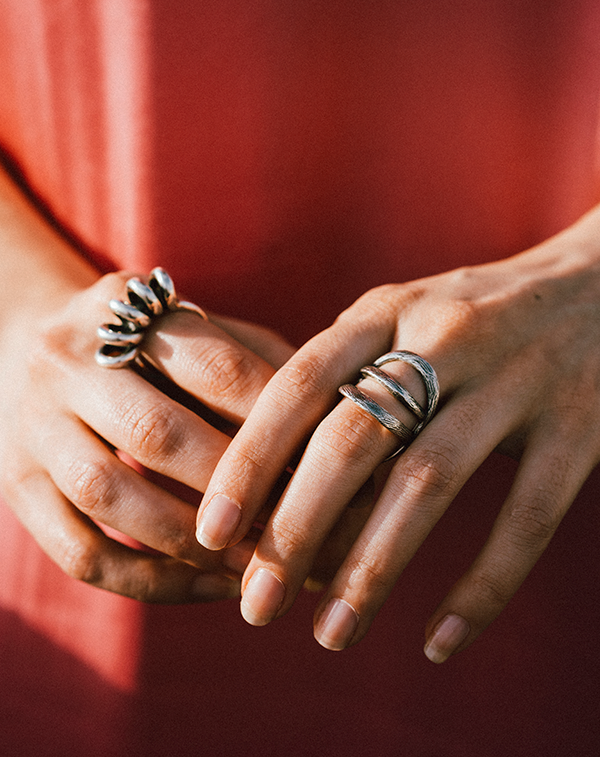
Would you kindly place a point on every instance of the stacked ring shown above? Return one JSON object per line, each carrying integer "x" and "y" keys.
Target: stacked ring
{"x": 400, "y": 393}
{"x": 145, "y": 303}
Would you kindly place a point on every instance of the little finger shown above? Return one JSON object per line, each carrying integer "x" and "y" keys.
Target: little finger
{"x": 85, "y": 553}
{"x": 551, "y": 472}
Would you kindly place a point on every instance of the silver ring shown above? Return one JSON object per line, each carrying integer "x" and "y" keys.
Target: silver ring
{"x": 146, "y": 302}
{"x": 129, "y": 315}
{"x": 373, "y": 408}
{"x": 394, "y": 388}
{"x": 393, "y": 424}
{"x": 144, "y": 298}
{"x": 429, "y": 376}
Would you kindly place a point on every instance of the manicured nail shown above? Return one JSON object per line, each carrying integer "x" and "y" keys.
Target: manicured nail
{"x": 337, "y": 625}
{"x": 219, "y": 522}
{"x": 448, "y": 635}
{"x": 263, "y": 596}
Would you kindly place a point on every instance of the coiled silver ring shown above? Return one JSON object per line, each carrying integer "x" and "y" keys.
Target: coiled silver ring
{"x": 145, "y": 303}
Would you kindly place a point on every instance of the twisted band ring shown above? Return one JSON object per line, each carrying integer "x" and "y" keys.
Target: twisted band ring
{"x": 400, "y": 393}
{"x": 145, "y": 303}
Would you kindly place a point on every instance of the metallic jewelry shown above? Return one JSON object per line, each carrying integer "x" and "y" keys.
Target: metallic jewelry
{"x": 394, "y": 388}
{"x": 393, "y": 424}
{"x": 379, "y": 413}
{"x": 146, "y": 303}
{"x": 429, "y": 376}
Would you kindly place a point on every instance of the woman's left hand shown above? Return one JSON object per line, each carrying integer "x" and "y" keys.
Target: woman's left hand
{"x": 516, "y": 346}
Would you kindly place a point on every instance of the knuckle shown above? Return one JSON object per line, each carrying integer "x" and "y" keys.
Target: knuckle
{"x": 181, "y": 544}
{"x": 153, "y": 433}
{"x": 90, "y": 485}
{"x": 147, "y": 590}
{"x": 50, "y": 353}
{"x": 357, "y": 437}
{"x": 433, "y": 473}
{"x": 157, "y": 581}
{"x": 143, "y": 584}
{"x": 369, "y": 576}
{"x": 225, "y": 370}
{"x": 303, "y": 380}
{"x": 287, "y": 542}
{"x": 381, "y": 300}
{"x": 110, "y": 285}
{"x": 82, "y": 562}
{"x": 463, "y": 318}
{"x": 533, "y": 521}
{"x": 492, "y": 590}
{"x": 250, "y": 462}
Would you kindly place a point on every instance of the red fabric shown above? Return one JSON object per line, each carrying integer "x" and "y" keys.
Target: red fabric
{"x": 279, "y": 159}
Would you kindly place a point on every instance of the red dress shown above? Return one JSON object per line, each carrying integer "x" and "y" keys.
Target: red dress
{"x": 279, "y": 159}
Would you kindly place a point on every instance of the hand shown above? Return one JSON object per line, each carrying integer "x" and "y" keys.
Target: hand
{"x": 516, "y": 346}
{"x": 62, "y": 417}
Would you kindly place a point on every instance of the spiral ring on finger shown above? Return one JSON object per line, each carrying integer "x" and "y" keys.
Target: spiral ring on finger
{"x": 144, "y": 305}
{"x": 400, "y": 393}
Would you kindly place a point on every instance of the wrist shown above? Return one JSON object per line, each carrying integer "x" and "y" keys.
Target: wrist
{"x": 39, "y": 271}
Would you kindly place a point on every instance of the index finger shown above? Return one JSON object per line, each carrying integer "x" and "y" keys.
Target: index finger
{"x": 207, "y": 366}
{"x": 295, "y": 400}
{"x": 197, "y": 355}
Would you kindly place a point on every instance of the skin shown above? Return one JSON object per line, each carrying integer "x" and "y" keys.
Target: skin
{"x": 62, "y": 416}
{"x": 516, "y": 348}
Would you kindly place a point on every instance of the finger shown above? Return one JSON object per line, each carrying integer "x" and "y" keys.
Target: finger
{"x": 85, "y": 553}
{"x": 107, "y": 490}
{"x": 296, "y": 399}
{"x": 161, "y": 434}
{"x": 551, "y": 473}
{"x": 420, "y": 487}
{"x": 135, "y": 417}
{"x": 340, "y": 539}
{"x": 195, "y": 354}
{"x": 269, "y": 345}
{"x": 208, "y": 363}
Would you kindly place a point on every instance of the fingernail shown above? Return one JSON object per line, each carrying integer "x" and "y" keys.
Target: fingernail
{"x": 263, "y": 596}
{"x": 218, "y": 523}
{"x": 337, "y": 625}
{"x": 448, "y": 635}
{"x": 209, "y": 587}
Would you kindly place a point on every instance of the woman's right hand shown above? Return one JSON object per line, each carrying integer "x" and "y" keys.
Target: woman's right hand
{"x": 62, "y": 417}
